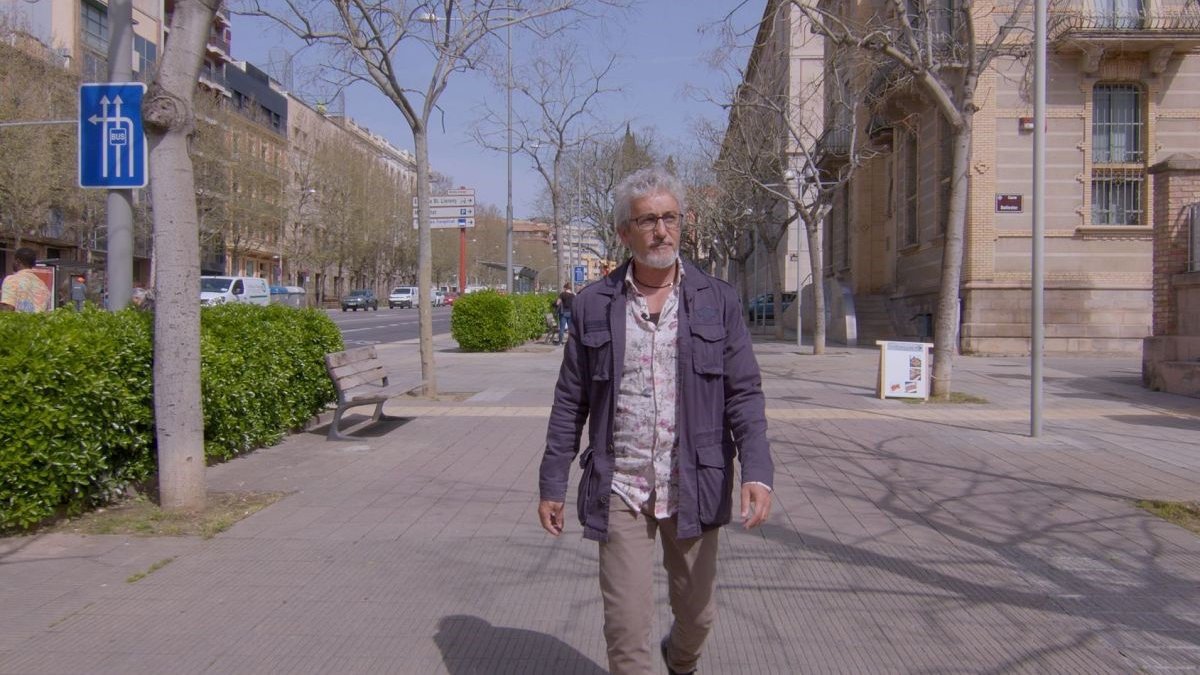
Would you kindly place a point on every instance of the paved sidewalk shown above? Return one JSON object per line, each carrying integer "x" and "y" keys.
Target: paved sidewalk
{"x": 905, "y": 538}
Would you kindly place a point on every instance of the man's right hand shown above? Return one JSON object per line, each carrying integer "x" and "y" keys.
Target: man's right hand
{"x": 551, "y": 515}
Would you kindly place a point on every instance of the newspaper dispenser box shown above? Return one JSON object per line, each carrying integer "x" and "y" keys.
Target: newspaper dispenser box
{"x": 903, "y": 369}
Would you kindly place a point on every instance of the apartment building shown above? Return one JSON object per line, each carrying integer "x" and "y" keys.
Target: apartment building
{"x": 257, "y": 196}
{"x": 1123, "y": 93}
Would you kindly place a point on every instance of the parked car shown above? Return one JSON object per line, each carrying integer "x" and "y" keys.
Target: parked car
{"x": 451, "y": 296}
{"x": 360, "y": 299}
{"x": 439, "y": 298}
{"x": 220, "y": 290}
{"x": 762, "y": 307}
{"x": 403, "y": 296}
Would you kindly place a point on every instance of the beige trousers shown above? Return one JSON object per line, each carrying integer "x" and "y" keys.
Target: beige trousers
{"x": 626, "y": 576}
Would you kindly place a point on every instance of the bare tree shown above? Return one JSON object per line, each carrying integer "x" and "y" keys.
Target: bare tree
{"x": 937, "y": 49}
{"x": 374, "y": 41}
{"x": 555, "y": 120}
{"x": 596, "y": 167}
{"x": 170, "y": 122}
{"x": 821, "y": 150}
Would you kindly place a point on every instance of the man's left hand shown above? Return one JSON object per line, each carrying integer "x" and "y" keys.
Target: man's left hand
{"x": 756, "y": 505}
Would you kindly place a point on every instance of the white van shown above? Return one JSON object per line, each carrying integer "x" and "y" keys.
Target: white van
{"x": 220, "y": 290}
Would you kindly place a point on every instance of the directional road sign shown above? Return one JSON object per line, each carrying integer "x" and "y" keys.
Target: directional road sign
{"x": 452, "y": 212}
{"x": 441, "y": 200}
{"x": 442, "y": 223}
{"x": 454, "y": 209}
{"x": 112, "y": 144}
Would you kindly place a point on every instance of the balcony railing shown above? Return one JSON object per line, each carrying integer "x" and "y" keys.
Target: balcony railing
{"x": 1121, "y": 16}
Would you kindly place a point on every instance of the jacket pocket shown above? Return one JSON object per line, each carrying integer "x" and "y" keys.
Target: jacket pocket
{"x": 708, "y": 348}
{"x": 599, "y": 353}
{"x": 714, "y": 477}
{"x": 585, "y": 485}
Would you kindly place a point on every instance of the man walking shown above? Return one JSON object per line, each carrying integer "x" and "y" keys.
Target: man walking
{"x": 23, "y": 290}
{"x": 661, "y": 368}
{"x": 562, "y": 305}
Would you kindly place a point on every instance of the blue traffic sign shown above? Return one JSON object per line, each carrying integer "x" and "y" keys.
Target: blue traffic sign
{"x": 580, "y": 274}
{"x": 112, "y": 143}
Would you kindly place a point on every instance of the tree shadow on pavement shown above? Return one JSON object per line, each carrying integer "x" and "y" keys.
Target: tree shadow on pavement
{"x": 472, "y": 646}
{"x": 984, "y": 530}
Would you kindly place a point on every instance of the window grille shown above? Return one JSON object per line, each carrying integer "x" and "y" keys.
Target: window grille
{"x": 1117, "y": 124}
{"x": 1117, "y": 196}
{"x": 1118, "y": 155}
{"x": 1194, "y": 237}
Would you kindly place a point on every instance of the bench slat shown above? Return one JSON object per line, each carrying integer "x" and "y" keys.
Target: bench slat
{"x": 373, "y": 394}
{"x": 338, "y": 372}
{"x": 371, "y": 377}
{"x": 350, "y": 356}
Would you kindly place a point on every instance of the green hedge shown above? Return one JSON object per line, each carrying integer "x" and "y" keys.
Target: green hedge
{"x": 75, "y": 410}
{"x": 487, "y": 321}
{"x": 76, "y": 407}
{"x": 262, "y": 373}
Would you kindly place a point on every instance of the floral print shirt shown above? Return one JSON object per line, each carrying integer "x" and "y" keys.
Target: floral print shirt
{"x": 25, "y": 291}
{"x": 645, "y": 437}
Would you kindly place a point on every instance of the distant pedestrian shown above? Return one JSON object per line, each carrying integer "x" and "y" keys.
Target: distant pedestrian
{"x": 562, "y": 306}
{"x": 24, "y": 290}
{"x": 661, "y": 370}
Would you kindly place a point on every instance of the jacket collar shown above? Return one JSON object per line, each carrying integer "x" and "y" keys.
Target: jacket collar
{"x": 693, "y": 278}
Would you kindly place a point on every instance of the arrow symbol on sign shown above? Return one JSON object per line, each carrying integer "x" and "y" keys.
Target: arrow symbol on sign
{"x": 103, "y": 136}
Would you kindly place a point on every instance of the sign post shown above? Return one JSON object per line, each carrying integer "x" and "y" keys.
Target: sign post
{"x": 580, "y": 275}
{"x": 456, "y": 208}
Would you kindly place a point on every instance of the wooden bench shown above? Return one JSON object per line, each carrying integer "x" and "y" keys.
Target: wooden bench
{"x": 360, "y": 379}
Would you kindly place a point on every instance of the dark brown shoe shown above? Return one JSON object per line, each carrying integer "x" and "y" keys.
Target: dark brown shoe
{"x": 663, "y": 648}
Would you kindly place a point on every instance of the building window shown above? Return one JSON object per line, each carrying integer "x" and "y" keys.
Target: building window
{"x": 1117, "y": 126}
{"x": 911, "y": 179}
{"x": 93, "y": 21}
{"x": 146, "y": 53}
{"x": 1120, "y": 13}
{"x": 1118, "y": 155}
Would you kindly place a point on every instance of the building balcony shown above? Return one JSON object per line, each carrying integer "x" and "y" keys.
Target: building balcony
{"x": 1158, "y": 28}
{"x": 833, "y": 147}
{"x": 218, "y": 47}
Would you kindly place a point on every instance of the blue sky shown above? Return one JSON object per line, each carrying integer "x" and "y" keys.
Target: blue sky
{"x": 663, "y": 49}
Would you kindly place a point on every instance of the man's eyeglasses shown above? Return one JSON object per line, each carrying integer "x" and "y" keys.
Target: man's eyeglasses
{"x": 650, "y": 221}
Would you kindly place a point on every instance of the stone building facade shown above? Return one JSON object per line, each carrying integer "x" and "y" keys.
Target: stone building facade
{"x": 1123, "y": 91}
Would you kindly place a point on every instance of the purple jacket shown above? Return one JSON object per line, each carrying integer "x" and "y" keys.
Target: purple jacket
{"x": 721, "y": 411}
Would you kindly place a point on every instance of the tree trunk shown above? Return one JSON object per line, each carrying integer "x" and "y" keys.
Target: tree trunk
{"x": 816, "y": 258}
{"x": 775, "y": 278}
{"x": 945, "y": 340}
{"x": 424, "y": 264}
{"x": 170, "y": 121}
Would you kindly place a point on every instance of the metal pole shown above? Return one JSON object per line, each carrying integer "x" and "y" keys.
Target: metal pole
{"x": 1036, "y": 333}
{"x": 799, "y": 289}
{"x": 508, "y": 222}
{"x": 119, "y": 262}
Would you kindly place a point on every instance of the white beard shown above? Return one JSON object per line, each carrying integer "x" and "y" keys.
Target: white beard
{"x": 660, "y": 259}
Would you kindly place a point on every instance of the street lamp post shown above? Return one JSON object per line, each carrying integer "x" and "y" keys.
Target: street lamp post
{"x": 508, "y": 220}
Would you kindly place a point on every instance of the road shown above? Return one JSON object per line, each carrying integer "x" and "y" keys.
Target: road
{"x": 386, "y": 325}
